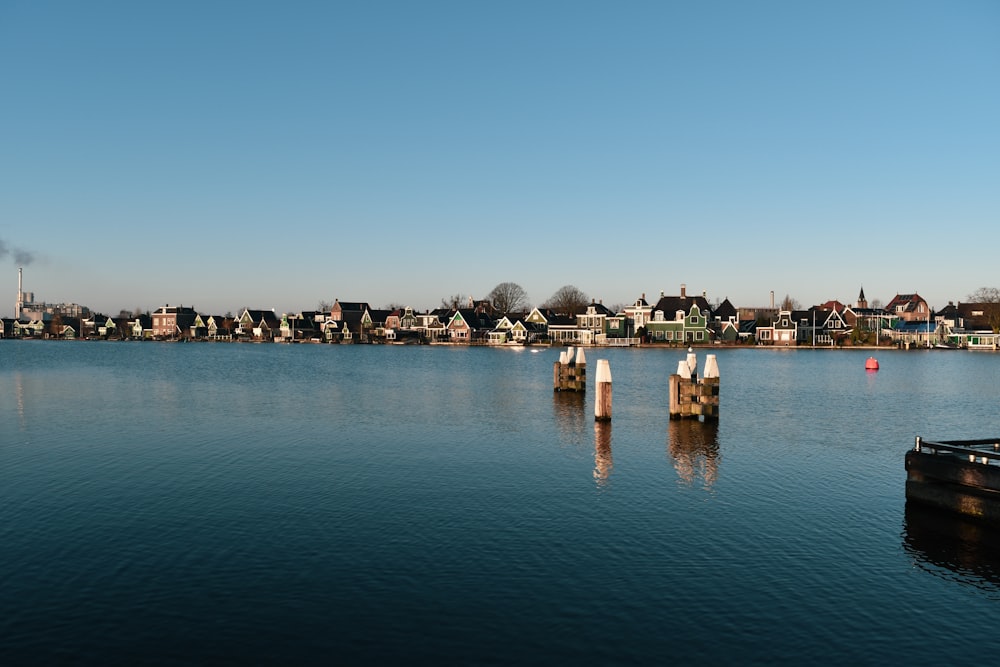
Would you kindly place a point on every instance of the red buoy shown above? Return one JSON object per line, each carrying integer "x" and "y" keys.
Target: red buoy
{"x": 871, "y": 364}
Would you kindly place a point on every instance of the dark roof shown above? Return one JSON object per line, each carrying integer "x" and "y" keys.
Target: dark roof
{"x": 379, "y": 316}
{"x": 601, "y": 309}
{"x": 352, "y": 305}
{"x": 476, "y": 319}
{"x": 726, "y": 310}
{"x": 266, "y": 316}
{"x": 671, "y": 304}
{"x": 561, "y": 320}
{"x": 968, "y": 312}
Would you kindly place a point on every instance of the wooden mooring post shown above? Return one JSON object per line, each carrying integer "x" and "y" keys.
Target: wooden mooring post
{"x": 693, "y": 398}
{"x": 570, "y": 372}
{"x": 602, "y": 402}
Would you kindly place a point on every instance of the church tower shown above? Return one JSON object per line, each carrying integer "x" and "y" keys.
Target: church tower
{"x": 862, "y": 301}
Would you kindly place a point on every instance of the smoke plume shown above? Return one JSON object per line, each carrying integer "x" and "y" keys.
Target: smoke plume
{"x": 21, "y": 257}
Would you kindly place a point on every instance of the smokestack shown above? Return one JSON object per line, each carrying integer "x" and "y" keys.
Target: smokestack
{"x": 17, "y": 307}
{"x": 772, "y": 299}
{"x": 684, "y": 291}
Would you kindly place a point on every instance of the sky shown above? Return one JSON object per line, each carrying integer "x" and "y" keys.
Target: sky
{"x": 279, "y": 154}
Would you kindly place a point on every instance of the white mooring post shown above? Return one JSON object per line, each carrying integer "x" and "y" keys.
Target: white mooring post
{"x": 602, "y": 403}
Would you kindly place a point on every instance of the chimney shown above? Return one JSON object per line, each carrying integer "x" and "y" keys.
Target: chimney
{"x": 20, "y": 296}
{"x": 684, "y": 289}
{"x": 772, "y": 299}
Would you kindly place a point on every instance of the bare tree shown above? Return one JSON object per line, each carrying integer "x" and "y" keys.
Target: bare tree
{"x": 508, "y": 298}
{"x": 788, "y": 303}
{"x": 568, "y": 300}
{"x": 324, "y": 306}
{"x": 453, "y": 302}
{"x": 989, "y": 299}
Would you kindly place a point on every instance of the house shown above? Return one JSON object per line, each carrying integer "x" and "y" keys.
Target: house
{"x": 829, "y": 324}
{"x": 199, "y": 327}
{"x": 408, "y": 319}
{"x": 469, "y": 325}
{"x": 636, "y": 317}
{"x": 220, "y": 327}
{"x": 972, "y": 325}
{"x": 173, "y": 321}
{"x": 339, "y": 308}
{"x": 299, "y": 326}
{"x": 916, "y": 334}
{"x": 261, "y": 325}
{"x": 7, "y": 327}
{"x": 431, "y": 327}
{"x": 595, "y": 319}
{"x": 909, "y": 308}
{"x": 509, "y": 329}
{"x": 680, "y": 319}
{"x": 141, "y": 327}
{"x": 378, "y": 318}
{"x": 783, "y": 330}
{"x": 33, "y": 328}
{"x": 725, "y": 322}
{"x": 67, "y": 329}
{"x": 616, "y": 329}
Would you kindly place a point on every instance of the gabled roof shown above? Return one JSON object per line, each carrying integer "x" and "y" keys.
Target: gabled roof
{"x": 599, "y": 309}
{"x": 671, "y": 304}
{"x": 266, "y": 317}
{"x": 638, "y": 303}
{"x": 904, "y": 303}
{"x": 351, "y": 305}
{"x": 975, "y": 315}
{"x": 561, "y": 321}
{"x": 726, "y": 310}
{"x": 473, "y": 318}
{"x": 379, "y": 316}
{"x": 833, "y": 304}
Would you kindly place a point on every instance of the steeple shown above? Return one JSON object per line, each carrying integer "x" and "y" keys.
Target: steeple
{"x": 862, "y": 301}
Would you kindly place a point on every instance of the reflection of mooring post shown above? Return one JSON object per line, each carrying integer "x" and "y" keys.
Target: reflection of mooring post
{"x": 570, "y": 372}
{"x": 602, "y": 451}
{"x": 690, "y": 397}
{"x": 602, "y": 403}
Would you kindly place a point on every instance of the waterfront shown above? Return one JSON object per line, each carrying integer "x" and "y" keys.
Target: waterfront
{"x": 169, "y": 504}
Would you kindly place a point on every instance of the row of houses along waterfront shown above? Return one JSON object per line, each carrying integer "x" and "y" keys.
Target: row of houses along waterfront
{"x": 682, "y": 320}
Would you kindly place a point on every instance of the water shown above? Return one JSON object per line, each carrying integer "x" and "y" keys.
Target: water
{"x": 219, "y": 503}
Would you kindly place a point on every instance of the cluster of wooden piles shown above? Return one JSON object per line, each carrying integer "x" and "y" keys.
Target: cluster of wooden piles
{"x": 690, "y": 397}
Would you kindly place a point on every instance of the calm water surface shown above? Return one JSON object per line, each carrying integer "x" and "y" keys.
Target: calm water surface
{"x": 179, "y": 504}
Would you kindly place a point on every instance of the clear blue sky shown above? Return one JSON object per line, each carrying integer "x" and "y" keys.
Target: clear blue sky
{"x": 275, "y": 154}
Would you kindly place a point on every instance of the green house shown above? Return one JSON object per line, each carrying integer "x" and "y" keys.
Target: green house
{"x": 683, "y": 328}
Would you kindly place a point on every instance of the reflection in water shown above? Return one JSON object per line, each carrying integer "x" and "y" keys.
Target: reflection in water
{"x": 568, "y": 407}
{"x": 602, "y": 452}
{"x": 694, "y": 447}
{"x": 953, "y": 546}
{"x": 19, "y": 392}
